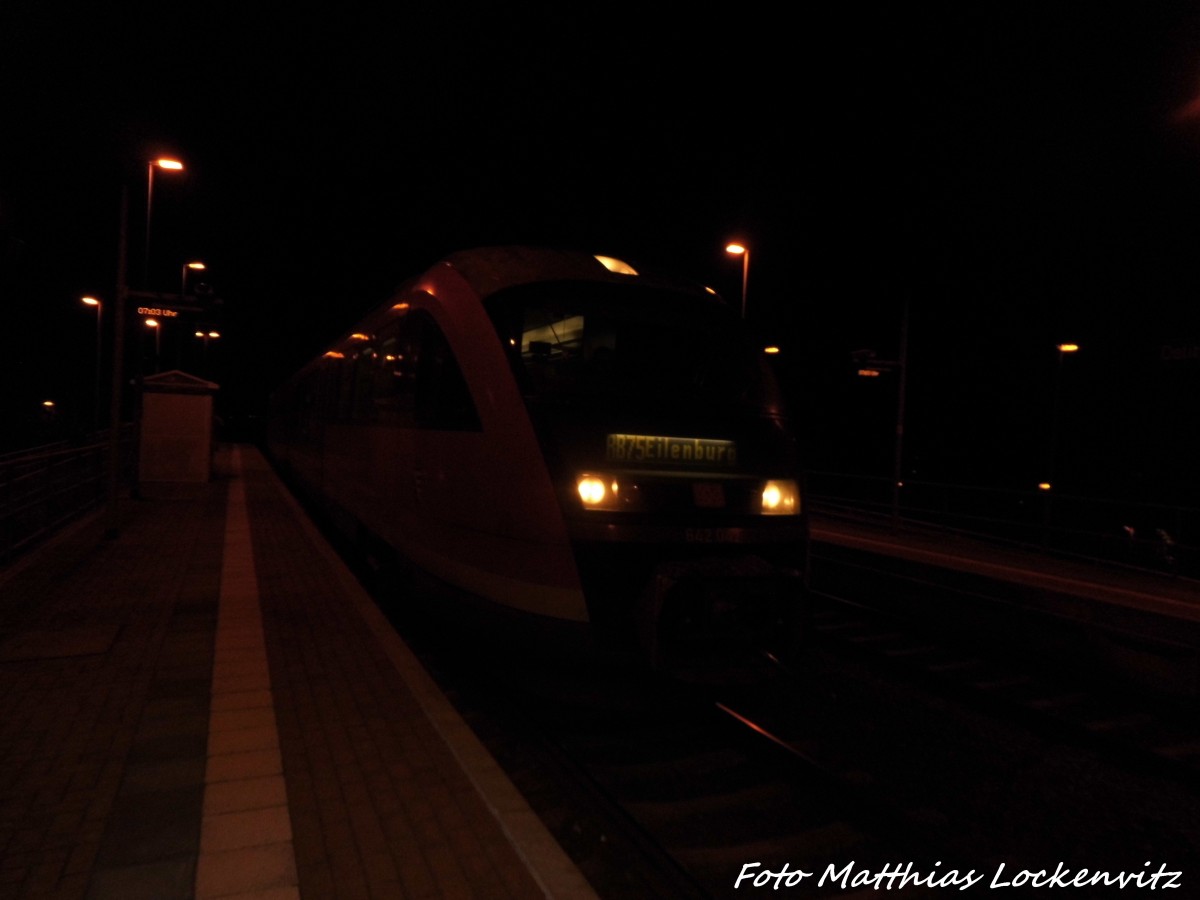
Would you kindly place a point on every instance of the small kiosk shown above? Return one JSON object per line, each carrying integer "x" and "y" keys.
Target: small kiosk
{"x": 177, "y": 424}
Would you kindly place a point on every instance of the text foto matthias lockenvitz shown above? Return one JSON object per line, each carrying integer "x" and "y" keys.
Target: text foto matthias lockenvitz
{"x": 905, "y": 875}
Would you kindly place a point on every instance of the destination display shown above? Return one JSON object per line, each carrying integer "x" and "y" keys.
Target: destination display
{"x": 651, "y": 448}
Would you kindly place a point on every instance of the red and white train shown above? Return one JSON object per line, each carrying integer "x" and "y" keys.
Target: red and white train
{"x": 597, "y": 452}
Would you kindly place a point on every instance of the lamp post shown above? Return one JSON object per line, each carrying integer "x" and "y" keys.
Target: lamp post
{"x": 1047, "y": 486}
{"x": 197, "y": 266}
{"x": 154, "y": 324}
{"x": 738, "y": 249}
{"x": 1063, "y": 350}
{"x": 206, "y": 336}
{"x": 121, "y": 297}
{"x": 120, "y": 300}
{"x": 901, "y": 392}
{"x": 171, "y": 165}
{"x": 93, "y": 301}
{"x": 870, "y": 367}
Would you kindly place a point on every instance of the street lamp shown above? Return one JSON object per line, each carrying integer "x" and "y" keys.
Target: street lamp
{"x": 736, "y": 249}
{"x": 93, "y": 301}
{"x": 1047, "y": 486}
{"x": 120, "y": 300}
{"x": 171, "y": 165}
{"x": 205, "y": 336}
{"x": 154, "y": 324}
{"x": 1063, "y": 350}
{"x": 197, "y": 266}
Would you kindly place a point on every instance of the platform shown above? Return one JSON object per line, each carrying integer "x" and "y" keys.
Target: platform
{"x": 186, "y": 713}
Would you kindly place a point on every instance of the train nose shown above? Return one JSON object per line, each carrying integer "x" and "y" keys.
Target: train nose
{"x": 700, "y": 619}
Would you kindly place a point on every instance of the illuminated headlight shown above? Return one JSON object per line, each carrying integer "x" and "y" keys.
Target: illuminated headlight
{"x": 781, "y": 498}
{"x": 597, "y": 491}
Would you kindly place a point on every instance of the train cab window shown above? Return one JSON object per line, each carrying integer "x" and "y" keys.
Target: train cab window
{"x": 636, "y": 347}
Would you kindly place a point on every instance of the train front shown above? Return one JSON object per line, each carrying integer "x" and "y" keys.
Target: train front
{"x": 665, "y": 432}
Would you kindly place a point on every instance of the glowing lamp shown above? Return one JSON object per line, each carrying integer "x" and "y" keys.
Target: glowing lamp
{"x": 616, "y": 265}
{"x": 592, "y": 490}
{"x": 780, "y": 498}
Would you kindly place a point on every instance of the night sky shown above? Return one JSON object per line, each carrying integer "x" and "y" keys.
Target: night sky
{"x": 1019, "y": 174}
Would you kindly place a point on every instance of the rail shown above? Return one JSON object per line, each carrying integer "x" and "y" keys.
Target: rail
{"x": 44, "y": 488}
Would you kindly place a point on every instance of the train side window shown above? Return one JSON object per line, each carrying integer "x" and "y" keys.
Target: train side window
{"x": 442, "y": 398}
{"x": 341, "y": 389}
{"x": 331, "y": 374}
{"x": 392, "y": 392}
{"x": 363, "y": 406}
{"x": 405, "y": 352}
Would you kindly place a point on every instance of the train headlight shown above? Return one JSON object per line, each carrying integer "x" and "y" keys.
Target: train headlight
{"x": 780, "y": 497}
{"x": 597, "y": 491}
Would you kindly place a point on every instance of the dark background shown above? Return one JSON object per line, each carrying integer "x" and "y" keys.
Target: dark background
{"x": 1018, "y": 174}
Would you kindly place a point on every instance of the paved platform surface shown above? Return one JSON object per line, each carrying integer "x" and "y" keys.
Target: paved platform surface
{"x": 202, "y": 702}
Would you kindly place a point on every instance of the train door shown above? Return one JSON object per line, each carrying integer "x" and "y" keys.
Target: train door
{"x": 449, "y": 459}
{"x": 387, "y": 435}
{"x": 468, "y": 495}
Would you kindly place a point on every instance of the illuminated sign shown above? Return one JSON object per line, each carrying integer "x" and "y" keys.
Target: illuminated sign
{"x": 157, "y": 311}
{"x": 1180, "y": 353}
{"x": 650, "y": 448}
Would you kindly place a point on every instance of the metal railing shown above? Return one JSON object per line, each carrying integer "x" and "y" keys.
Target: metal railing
{"x": 44, "y": 488}
{"x": 1160, "y": 537}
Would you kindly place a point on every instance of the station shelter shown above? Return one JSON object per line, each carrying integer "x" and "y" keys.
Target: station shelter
{"x": 176, "y": 443}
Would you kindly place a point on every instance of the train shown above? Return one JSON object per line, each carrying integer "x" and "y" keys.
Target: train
{"x": 591, "y": 452}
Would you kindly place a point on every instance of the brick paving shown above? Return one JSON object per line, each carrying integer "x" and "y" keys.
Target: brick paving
{"x": 142, "y": 742}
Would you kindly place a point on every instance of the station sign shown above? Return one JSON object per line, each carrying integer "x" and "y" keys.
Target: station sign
{"x": 164, "y": 304}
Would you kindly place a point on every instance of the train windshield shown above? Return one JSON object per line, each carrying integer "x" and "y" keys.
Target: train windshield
{"x": 633, "y": 347}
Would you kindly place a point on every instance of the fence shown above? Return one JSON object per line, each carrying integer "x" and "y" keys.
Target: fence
{"x": 44, "y": 488}
{"x": 1145, "y": 535}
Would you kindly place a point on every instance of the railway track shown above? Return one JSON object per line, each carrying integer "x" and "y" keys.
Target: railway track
{"x": 697, "y": 794}
{"x": 893, "y": 745}
{"x": 1052, "y": 685}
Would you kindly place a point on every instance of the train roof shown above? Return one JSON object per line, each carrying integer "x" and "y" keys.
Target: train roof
{"x": 491, "y": 269}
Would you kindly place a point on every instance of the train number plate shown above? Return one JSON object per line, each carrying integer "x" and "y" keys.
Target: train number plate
{"x": 712, "y": 535}
{"x": 708, "y": 495}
